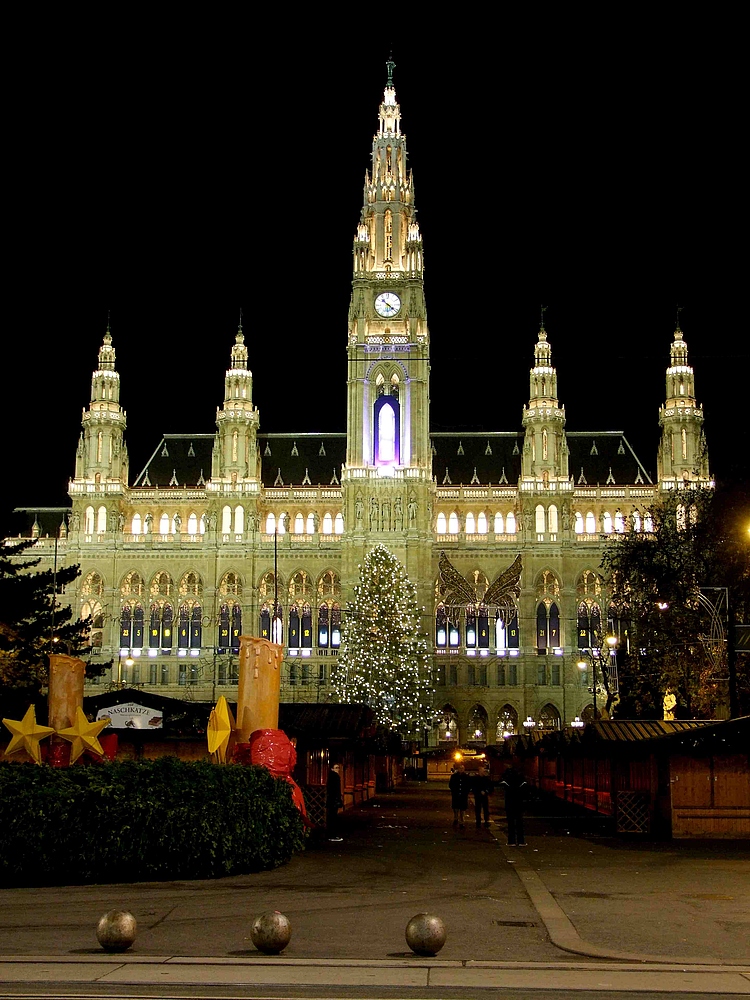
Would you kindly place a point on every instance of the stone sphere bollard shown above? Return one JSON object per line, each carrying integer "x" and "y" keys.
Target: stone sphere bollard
{"x": 271, "y": 932}
{"x": 116, "y": 930}
{"x": 425, "y": 934}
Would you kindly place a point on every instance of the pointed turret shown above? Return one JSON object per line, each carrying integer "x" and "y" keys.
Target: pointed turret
{"x": 545, "y": 451}
{"x": 235, "y": 451}
{"x": 101, "y": 457}
{"x": 683, "y": 456}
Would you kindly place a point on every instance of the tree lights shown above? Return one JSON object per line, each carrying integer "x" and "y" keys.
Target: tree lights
{"x": 384, "y": 660}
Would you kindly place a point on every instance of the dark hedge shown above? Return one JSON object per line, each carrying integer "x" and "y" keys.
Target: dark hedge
{"x": 141, "y": 821}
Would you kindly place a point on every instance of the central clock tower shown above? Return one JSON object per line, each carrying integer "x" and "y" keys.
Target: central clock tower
{"x": 387, "y": 478}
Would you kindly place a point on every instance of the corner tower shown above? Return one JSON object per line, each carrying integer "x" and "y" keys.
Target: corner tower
{"x": 388, "y": 345}
{"x": 683, "y": 454}
{"x": 102, "y": 458}
{"x": 235, "y": 454}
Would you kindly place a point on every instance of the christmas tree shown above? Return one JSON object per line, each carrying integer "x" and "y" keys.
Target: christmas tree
{"x": 383, "y": 661}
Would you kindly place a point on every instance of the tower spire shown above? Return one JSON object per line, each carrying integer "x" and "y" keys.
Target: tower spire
{"x": 682, "y": 456}
{"x": 390, "y": 66}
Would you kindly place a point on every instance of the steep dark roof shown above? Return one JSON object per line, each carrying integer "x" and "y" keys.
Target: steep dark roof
{"x": 47, "y": 519}
{"x": 460, "y": 459}
{"x": 604, "y": 458}
{"x": 301, "y": 459}
{"x": 178, "y": 460}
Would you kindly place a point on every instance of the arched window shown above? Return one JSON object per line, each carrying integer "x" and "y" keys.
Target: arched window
{"x": 306, "y": 626}
{"x": 336, "y": 626}
{"x": 265, "y": 622}
{"x": 131, "y": 626}
{"x": 88, "y": 521}
{"x": 282, "y": 523}
{"x": 547, "y": 627}
{"x": 648, "y": 523}
{"x": 470, "y": 524}
{"x": 539, "y": 516}
{"x": 338, "y": 524}
{"x": 239, "y": 520}
{"x": 499, "y": 527}
{"x": 387, "y": 431}
{"x": 329, "y": 585}
{"x": 299, "y": 524}
{"x": 636, "y": 518}
{"x": 482, "y": 524}
{"x": 589, "y": 625}
{"x": 174, "y": 527}
{"x": 453, "y": 523}
{"x": 324, "y": 623}
{"x": 507, "y": 723}
{"x": 294, "y": 626}
{"x": 160, "y": 635}
{"x": 327, "y": 523}
{"x": 619, "y": 522}
{"x": 441, "y": 524}
{"x": 101, "y": 520}
{"x": 512, "y": 632}
{"x": 549, "y": 718}
{"x": 137, "y": 524}
{"x": 448, "y": 725}
{"x": 477, "y": 731}
{"x": 193, "y": 524}
{"x": 310, "y": 526}
{"x": 501, "y": 634}
{"x": 607, "y": 522}
{"x": 441, "y": 627}
{"x": 552, "y": 519}
{"x": 510, "y": 523}
{"x": 471, "y": 627}
{"x": 91, "y": 611}
{"x": 578, "y": 522}
{"x": 590, "y": 523}
{"x": 164, "y": 524}
{"x": 270, "y": 524}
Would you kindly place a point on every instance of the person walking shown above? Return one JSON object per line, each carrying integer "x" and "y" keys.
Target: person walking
{"x": 482, "y": 788}
{"x": 514, "y": 785}
{"x": 333, "y": 803}
{"x": 459, "y": 789}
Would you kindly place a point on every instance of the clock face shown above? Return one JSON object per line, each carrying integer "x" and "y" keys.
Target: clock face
{"x": 387, "y": 304}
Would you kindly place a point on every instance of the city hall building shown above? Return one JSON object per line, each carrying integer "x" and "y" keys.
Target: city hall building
{"x": 234, "y": 531}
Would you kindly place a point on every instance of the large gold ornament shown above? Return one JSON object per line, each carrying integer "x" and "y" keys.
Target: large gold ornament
{"x": 27, "y": 734}
{"x": 83, "y": 735}
{"x": 456, "y": 593}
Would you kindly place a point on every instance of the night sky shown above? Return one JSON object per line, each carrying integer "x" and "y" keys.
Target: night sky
{"x": 175, "y": 175}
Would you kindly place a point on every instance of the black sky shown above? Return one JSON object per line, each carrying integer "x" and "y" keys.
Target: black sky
{"x": 173, "y": 173}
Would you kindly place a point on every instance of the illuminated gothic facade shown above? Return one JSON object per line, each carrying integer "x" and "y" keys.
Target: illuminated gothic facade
{"x": 240, "y": 532}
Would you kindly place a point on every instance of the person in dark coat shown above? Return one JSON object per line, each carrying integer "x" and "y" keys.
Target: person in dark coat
{"x": 514, "y": 785}
{"x": 459, "y": 789}
{"x": 333, "y": 802}
{"x": 482, "y": 788}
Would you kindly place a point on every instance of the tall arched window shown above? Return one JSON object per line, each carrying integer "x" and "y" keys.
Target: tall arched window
{"x": 101, "y": 520}
{"x": 193, "y": 524}
{"x": 636, "y": 520}
{"x": 270, "y": 524}
{"x": 310, "y": 526}
{"x": 579, "y": 523}
{"x": 552, "y": 519}
{"x": 239, "y": 520}
{"x": 547, "y": 627}
{"x": 470, "y": 524}
{"x": 387, "y": 431}
{"x": 294, "y": 627}
{"x": 441, "y": 627}
{"x": 510, "y": 523}
{"x": 136, "y": 525}
{"x": 324, "y": 626}
{"x": 164, "y": 524}
{"x": 88, "y": 521}
{"x": 539, "y": 517}
{"x": 619, "y": 522}
{"x": 648, "y": 522}
{"x": 453, "y": 524}
{"x": 499, "y": 527}
{"x": 327, "y": 523}
{"x": 482, "y": 524}
{"x": 299, "y": 524}
{"x": 338, "y": 524}
{"x": 441, "y": 525}
{"x": 507, "y": 723}
{"x": 607, "y": 522}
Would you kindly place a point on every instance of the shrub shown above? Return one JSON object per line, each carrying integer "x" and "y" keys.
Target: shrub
{"x": 136, "y": 821}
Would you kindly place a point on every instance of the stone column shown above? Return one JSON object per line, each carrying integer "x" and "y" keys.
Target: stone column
{"x": 258, "y": 686}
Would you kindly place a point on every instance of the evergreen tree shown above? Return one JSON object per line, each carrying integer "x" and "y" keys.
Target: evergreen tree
{"x": 384, "y": 662}
{"x": 33, "y": 623}
{"x": 656, "y": 579}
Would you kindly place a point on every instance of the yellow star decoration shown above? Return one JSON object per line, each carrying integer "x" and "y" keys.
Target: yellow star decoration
{"x": 27, "y": 734}
{"x": 83, "y": 735}
{"x": 220, "y": 727}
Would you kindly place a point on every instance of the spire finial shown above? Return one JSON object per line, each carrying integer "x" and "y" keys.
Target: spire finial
{"x": 677, "y": 320}
{"x": 390, "y": 66}
{"x": 543, "y": 310}
{"x": 108, "y": 311}
{"x": 240, "y": 326}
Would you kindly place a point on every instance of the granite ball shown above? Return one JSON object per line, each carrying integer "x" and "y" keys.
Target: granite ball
{"x": 271, "y": 932}
{"x": 425, "y": 934}
{"x": 116, "y": 930}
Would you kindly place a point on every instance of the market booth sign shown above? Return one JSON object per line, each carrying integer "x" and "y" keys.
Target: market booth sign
{"x": 131, "y": 715}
